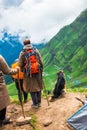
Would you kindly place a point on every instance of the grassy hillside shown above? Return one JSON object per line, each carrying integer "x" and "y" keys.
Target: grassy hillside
{"x": 67, "y": 51}
{"x": 12, "y": 91}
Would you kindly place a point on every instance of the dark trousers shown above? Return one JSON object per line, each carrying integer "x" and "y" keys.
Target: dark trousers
{"x": 2, "y": 114}
{"x": 36, "y": 97}
{"x": 25, "y": 95}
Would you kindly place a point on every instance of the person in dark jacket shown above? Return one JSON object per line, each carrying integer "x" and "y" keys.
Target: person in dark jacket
{"x": 18, "y": 79}
{"x": 32, "y": 83}
{"x": 4, "y": 97}
{"x": 59, "y": 86}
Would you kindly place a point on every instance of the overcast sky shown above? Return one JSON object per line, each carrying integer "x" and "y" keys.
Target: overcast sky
{"x": 38, "y": 19}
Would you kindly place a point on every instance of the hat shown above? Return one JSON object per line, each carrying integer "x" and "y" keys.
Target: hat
{"x": 27, "y": 41}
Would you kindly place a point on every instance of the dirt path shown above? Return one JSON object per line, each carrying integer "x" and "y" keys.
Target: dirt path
{"x": 56, "y": 113}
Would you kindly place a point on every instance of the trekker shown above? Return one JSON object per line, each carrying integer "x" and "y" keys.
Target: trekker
{"x": 4, "y": 97}
{"x": 32, "y": 72}
{"x": 19, "y": 78}
{"x": 59, "y": 86}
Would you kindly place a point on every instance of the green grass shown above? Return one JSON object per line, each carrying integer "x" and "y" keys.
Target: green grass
{"x": 33, "y": 122}
{"x": 82, "y": 90}
{"x": 12, "y": 91}
{"x": 73, "y": 84}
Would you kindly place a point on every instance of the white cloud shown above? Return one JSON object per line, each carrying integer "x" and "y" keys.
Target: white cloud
{"x": 40, "y": 19}
{"x": 9, "y": 3}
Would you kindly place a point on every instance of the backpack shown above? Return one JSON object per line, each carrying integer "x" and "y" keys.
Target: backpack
{"x": 31, "y": 65}
{"x": 16, "y": 76}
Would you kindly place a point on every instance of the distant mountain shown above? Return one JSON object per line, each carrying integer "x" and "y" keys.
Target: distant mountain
{"x": 67, "y": 50}
{"x": 10, "y": 47}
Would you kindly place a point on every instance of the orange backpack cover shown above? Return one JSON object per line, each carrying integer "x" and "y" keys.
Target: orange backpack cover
{"x": 16, "y": 76}
{"x": 32, "y": 65}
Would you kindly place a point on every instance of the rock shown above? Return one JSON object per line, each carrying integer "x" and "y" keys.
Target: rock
{"x": 47, "y": 122}
{"x": 22, "y": 121}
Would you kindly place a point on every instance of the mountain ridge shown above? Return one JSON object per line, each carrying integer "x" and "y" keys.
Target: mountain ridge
{"x": 69, "y": 44}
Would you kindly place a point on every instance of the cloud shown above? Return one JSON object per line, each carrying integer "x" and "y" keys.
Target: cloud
{"x": 39, "y": 19}
{"x": 7, "y": 3}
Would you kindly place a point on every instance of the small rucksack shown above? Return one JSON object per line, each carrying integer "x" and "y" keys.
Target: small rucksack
{"x": 31, "y": 65}
{"x": 19, "y": 75}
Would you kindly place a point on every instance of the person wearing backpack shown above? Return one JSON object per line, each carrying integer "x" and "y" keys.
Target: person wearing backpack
{"x": 19, "y": 78}
{"x": 4, "y": 97}
{"x": 31, "y": 64}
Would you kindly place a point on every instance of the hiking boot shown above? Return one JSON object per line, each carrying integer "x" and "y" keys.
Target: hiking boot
{"x": 6, "y": 120}
{"x": 34, "y": 106}
{"x": 52, "y": 99}
{"x": 39, "y": 104}
{"x": 0, "y": 123}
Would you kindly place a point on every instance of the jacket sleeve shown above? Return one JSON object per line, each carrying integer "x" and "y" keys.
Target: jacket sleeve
{"x": 5, "y": 68}
{"x": 21, "y": 61}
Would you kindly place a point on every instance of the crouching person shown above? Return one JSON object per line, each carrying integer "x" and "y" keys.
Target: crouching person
{"x": 4, "y": 97}
{"x": 59, "y": 86}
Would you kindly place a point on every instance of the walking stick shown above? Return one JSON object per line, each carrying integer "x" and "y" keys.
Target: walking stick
{"x": 45, "y": 91}
{"x": 20, "y": 95}
{"x": 80, "y": 100}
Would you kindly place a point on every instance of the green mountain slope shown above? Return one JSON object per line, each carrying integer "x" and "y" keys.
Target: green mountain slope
{"x": 67, "y": 51}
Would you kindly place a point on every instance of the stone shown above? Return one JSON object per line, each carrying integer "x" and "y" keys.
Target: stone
{"x": 47, "y": 122}
{"x": 22, "y": 121}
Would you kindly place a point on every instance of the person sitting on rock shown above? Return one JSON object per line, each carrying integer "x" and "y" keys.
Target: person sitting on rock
{"x": 59, "y": 86}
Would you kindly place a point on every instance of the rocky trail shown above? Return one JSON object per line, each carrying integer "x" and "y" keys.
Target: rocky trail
{"x": 52, "y": 117}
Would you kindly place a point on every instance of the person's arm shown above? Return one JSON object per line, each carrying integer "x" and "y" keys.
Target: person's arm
{"x": 5, "y": 68}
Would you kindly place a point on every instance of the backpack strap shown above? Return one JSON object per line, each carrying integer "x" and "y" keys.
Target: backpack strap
{"x": 30, "y": 53}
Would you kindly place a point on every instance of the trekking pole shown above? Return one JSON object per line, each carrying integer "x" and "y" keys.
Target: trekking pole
{"x": 20, "y": 95}
{"x": 46, "y": 93}
{"x": 80, "y": 100}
